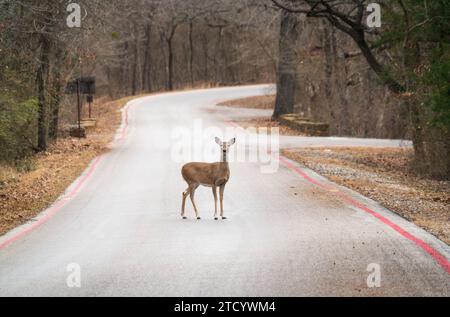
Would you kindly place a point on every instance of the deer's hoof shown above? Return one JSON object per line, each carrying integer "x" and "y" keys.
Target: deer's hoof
{"x": 224, "y": 218}
{"x": 198, "y": 218}
{"x": 216, "y": 218}
{"x": 184, "y": 218}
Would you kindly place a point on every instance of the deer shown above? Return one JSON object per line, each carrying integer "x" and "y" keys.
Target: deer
{"x": 214, "y": 175}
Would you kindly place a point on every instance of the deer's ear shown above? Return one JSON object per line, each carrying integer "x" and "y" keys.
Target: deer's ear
{"x": 233, "y": 140}
{"x": 218, "y": 141}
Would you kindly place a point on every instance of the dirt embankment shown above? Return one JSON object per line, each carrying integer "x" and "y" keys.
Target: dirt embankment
{"x": 24, "y": 194}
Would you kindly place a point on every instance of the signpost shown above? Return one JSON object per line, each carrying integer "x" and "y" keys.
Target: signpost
{"x": 90, "y": 100}
{"x": 82, "y": 86}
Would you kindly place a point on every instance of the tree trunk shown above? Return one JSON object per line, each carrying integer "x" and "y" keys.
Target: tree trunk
{"x": 146, "y": 79}
{"x": 220, "y": 69}
{"x": 170, "y": 65}
{"x": 56, "y": 91}
{"x": 191, "y": 53}
{"x": 287, "y": 64}
{"x": 125, "y": 69}
{"x": 134, "y": 69}
{"x": 41, "y": 90}
{"x": 162, "y": 42}
{"x": 205, "y": 58}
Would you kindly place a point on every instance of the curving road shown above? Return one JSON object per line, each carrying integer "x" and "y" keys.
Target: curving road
{"x": 289, "y": 233}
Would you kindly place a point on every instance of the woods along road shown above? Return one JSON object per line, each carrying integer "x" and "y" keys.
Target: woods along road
{"x": 118, "y": 231}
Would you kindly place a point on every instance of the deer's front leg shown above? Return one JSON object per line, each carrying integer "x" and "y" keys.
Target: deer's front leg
{"x": 214, "y": 189}
{"x": 183, "y": 203}
{"x": 222, "y": 189}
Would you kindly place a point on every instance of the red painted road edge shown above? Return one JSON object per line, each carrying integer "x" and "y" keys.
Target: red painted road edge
{"x": 436, "y": 255}
{"x": 62, "y": 201}
{"x": 56, "y": 207}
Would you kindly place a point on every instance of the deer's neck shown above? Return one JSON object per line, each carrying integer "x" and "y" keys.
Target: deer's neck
{"x": 224, "y": 167}
{"x": 224, "y": 158}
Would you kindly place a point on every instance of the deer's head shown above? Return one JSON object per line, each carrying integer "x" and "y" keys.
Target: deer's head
{"x": 225, "y": 147}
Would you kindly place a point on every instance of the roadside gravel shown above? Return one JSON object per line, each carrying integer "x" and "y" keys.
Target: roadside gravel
{"x": 384, "y": 175}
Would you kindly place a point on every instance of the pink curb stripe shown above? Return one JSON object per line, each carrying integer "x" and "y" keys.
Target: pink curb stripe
{"x": 436, "y": 255}
{"x": 56, "y": 207}
{"x": 59, "y": 204}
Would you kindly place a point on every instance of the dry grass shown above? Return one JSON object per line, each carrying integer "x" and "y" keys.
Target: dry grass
{"x": 384, "y": 175}
{"x": 259, "y": 102}
{"x": 24, "y": 194}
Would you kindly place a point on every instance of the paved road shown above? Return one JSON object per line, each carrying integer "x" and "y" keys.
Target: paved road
{"x": 289, "y": 233}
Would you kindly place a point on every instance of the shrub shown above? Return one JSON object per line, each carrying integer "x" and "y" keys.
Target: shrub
{"x": 17, "y": 129}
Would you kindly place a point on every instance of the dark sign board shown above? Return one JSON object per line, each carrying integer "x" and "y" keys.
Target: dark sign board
{"x": 86, "y": 84}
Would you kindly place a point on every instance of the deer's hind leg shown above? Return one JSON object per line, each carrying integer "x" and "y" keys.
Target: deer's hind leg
{"x": 192, "y": 189}
{"x": 222, "y": 189}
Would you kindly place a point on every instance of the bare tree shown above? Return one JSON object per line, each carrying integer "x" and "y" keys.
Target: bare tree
{"x": 287, "y": 63}
{"x": 409, "y": 54}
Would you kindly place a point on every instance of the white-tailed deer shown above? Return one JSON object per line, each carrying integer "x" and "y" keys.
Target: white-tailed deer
{"x": 209, "y": 175}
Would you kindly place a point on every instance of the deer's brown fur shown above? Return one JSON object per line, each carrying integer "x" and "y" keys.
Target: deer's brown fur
{"x": 214, "y": 175}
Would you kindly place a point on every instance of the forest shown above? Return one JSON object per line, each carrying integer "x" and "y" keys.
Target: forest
{"x": 391, "y": 81}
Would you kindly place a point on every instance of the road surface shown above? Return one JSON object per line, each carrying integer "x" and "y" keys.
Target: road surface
{"x": 118, "y": 231}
